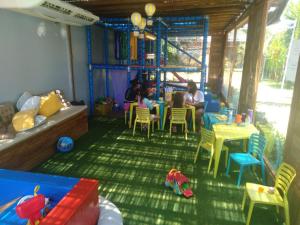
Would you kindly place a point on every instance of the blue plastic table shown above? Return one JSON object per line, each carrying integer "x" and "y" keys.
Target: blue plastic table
{"x": 161, "y": 112}
{"x": 210, "y": 119}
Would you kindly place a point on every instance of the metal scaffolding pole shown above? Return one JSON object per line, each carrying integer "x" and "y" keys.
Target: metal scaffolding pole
{"x": 143, "y": 53}
{"x": 105, "y": 46}
{"x": 128, "y": 55}
{"x": 146, "y": 68}
{"x": 182, "y": 18}
{"x": 158, "y": 53}
{"x": 165, "y": 59}
{"x": 139, "y": 58}
{"x": 90, "y": 68}
{"x": 142, "y": 59}
{"x": 111, "y": 20}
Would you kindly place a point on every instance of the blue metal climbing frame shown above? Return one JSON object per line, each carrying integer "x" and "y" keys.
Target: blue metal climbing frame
{"x": 164, "y": 27}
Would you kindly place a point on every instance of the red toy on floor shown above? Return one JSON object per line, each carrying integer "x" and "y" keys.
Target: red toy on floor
{"x": 176, "y": 180}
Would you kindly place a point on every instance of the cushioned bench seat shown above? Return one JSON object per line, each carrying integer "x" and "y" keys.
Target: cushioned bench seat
{"x": 30, "y": 148}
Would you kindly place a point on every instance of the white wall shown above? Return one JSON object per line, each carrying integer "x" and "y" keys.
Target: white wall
{"x": 33, "y": 56}
{"x": 80, "y": 69}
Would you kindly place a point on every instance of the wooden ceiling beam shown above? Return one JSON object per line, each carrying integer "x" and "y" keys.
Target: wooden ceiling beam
{"x": 178, "y": 12}
{"x": 220, "y": 12}
{"x": 202, "y": 4}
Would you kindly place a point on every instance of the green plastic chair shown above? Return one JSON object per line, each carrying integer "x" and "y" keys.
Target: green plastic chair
{"x": 259, "y": 194}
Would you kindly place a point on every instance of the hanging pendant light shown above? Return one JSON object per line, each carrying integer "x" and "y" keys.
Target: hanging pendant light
{"x": 150, "y": 10}
{"x": 142, "y": 26}
{"x": 136, "y": 20}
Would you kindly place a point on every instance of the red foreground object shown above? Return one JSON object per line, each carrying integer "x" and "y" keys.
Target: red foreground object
{"x": 31, "y": 209}
{"x": 79, "y": 207}
{"x": 176, "y": 180}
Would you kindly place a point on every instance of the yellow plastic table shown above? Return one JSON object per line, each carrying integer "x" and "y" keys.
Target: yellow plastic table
{"x": 229, "y": 132}
{"x": 193, "y": 110}
{"x": 135, "y": 104}
{"x": 188, "y": 107}
{"x": 132, "y": 104}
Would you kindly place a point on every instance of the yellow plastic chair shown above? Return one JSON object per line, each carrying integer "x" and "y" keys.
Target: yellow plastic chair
{"x": 261, "y": 194}
{"x": 143, "y": 117}
{"x": 206, "y": 142}
{"x": 178, "y": 116}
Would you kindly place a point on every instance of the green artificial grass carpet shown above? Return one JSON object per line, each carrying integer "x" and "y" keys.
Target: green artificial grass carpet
{"x": 131, "y": 171}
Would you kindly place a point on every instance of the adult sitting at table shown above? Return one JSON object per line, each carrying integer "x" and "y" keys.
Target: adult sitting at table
{"x": 130, "y": 96}
{"x": 178, "y": 100}
{"x": 131, "y": 92}
{"x": 195, "y": 98}
{"x": 145, "y": 102}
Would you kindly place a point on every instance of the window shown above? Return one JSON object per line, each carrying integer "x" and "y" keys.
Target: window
{"x": 233, "y": 67}
{"x": 237, "y": 67}
{"x": 228, "y": 59}
{"x": 281, "y": 54}
{"x": 193, "y": 46}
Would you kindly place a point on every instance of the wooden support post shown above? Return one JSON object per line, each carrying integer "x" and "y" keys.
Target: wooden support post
{"x": 233, "y": 62}
{"x": 253, "y": 55}
{"x": 292, "y": 150}
{"x": 216, "y": 60}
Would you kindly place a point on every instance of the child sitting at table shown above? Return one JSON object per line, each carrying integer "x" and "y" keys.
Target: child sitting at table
{"x": 144, "y": 102}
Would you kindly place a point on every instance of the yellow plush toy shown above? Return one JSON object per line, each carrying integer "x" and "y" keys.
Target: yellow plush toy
{"x": 24, "y": 120}
{"x": 50, "y": 104}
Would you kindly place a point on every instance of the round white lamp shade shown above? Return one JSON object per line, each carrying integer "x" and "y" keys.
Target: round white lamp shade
{"x": 150, "y": 10}
{"x": 136, "y": 18}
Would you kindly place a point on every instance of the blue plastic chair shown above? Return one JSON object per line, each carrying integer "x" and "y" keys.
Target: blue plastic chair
{"x": 206, "y": 121}
{"x": 205, "y": 106}
{"x": 254, "y": 156}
